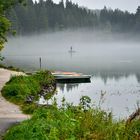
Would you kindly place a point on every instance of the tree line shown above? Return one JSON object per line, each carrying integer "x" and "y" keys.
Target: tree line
{"x": 47, "y": 15}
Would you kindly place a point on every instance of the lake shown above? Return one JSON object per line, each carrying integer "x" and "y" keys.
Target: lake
{"x": 111, "y": 59}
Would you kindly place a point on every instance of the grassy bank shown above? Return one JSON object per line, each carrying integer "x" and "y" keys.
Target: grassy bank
{"x": 25, "y": 90}
{"x": 69, "y": 122}
{"x": 73, "y": 123}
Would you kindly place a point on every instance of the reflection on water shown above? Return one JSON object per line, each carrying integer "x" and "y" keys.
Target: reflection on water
{"x": 122, "y": 93}
{"x": 113, "y": 62}
{"x": 67, "y": 87}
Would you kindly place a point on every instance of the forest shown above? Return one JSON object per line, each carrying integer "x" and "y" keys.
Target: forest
{"x": 35, "y": 17}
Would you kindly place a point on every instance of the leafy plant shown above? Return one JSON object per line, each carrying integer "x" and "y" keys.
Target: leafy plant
{"x": 25, "y": 90}
{"x": 4, "y": 22}
{"x": 72, "y": 123}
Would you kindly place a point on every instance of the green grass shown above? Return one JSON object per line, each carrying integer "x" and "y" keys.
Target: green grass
{"x": 19, "y": 88}
{"x": 73, "y": 123}
{"x": 69, "y": 122}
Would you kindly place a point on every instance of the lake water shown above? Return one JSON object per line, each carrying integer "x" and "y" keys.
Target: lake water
{"x": 113, "y": 60}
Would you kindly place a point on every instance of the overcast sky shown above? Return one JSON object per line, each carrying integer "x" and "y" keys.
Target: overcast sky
{"x": 130, "y": 5}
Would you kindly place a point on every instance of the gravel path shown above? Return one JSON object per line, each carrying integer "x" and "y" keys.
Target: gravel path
{"x": 9, "y": 113}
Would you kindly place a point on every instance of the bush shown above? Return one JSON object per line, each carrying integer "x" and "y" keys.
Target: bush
{"x": 19, "y": 88}
{"x": 72, "y": 123}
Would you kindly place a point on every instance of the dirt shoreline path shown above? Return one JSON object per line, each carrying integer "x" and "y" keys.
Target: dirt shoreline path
{"x": 9, "y": 113}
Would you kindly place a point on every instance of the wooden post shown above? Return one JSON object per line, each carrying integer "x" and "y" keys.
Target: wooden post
{"x": 40, "y": 63}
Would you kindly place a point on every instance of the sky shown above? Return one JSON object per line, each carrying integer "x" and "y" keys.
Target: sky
{"x": 129, "y": 5}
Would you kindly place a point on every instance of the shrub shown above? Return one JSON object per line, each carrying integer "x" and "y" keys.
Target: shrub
{"x": 71, "y": 123}
{"x": 19, "y": 88}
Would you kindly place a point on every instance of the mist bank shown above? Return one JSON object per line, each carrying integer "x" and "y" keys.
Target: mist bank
{"x": 49, "y": 16}
{"x": 78, "y": 34}
{"x": 94, "y": 52}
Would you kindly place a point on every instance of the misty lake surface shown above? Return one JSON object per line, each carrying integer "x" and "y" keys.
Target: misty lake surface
{"x": 113, "y": 60}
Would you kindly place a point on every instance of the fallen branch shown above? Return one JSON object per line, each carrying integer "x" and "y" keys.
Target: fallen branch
{"x": 133, "y": 116}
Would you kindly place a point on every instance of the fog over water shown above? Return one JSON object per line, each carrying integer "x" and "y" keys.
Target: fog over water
{"x": 112, "y": 59}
